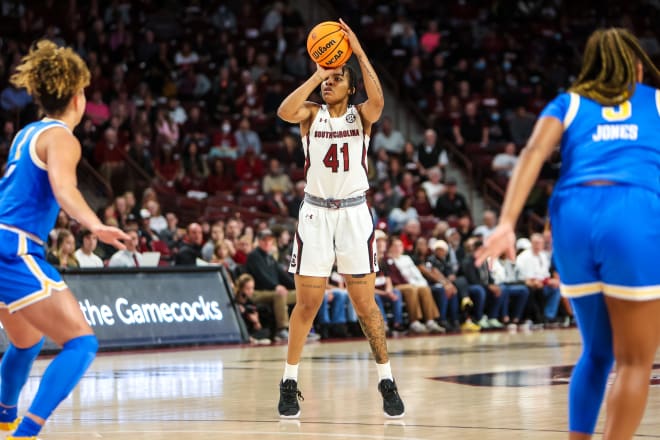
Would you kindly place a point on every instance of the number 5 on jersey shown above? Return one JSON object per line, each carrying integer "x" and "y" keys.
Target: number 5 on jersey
{"x": 331, "y": 159}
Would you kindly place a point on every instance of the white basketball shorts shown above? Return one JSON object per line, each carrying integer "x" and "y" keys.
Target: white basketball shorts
{"x": 325, "y": 235}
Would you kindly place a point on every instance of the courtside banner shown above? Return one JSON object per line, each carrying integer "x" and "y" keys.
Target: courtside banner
{"x": 155, "y": 307}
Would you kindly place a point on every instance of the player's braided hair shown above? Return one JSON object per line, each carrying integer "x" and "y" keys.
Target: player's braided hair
{"x": 52, "y": 75}
{"x": 609, "y": 66}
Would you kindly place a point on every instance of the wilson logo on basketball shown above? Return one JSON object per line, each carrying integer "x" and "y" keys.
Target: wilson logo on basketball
{"x": 323, "y": 49}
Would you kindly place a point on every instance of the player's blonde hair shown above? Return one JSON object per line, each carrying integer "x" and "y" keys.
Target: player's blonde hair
{"x": 52, "y": 75}
{"x": 609, "y": 66}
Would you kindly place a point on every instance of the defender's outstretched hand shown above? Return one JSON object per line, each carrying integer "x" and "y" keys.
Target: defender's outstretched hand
{"x": 503, "y": 239}
{"x": 111, "y": 235}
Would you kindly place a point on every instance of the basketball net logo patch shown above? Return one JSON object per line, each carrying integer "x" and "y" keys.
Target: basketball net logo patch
{"x": 350, "y": 118}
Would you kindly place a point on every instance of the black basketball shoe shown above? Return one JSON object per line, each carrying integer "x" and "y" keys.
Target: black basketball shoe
{"x": 392, "y": 403}
{"x": 289, "y": 395}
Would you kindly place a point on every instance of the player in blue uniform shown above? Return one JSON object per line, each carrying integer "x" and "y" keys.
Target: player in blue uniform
{"x": 604, "y": 214}
{"x": 40, "y": 177}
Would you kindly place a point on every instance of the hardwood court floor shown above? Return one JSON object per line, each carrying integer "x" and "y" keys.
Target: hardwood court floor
{"x": 481, "y": 386}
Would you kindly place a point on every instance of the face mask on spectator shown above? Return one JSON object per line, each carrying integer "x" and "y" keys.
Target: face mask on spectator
{"x": 226, "y": 128}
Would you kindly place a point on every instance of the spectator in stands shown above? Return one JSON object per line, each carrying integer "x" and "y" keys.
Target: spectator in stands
{"x": 388, "y": 138}
{"x": 451, "y": 203}
{"x": 249, "y": 167}
{"x": 415, "y": 289}
{"x": 62, "y": 223}
{"x": 186, "y": 57}
{"x": 401, "y": 215}
{"x": 223, "y": 142}
{"x": 456, "y": 253}
{"x": 191, "y": 249}
{"x": 216, "y": 236}
{"x": 411, "y": 231}
{"x": 471, "y": 129}
{"x": 482, "y": 288}
{"x": 218, "y": 179}
{"x": 138, "y": 150}
{"x": 143, "y": 225}
{"x": 410, "y": 161}
{"x": 514, "y": 291}
{"x": 454, "y": 289}
{"x": 222, "y": 257}
{"x": 421, "y": 202}
{"x": 224, "y": 19}
{"x": 273, "y": 284}
{"x": 167, "y": 166}
{"x": 534, "y": 267}
{"x": 433, "y": 187}
{"x": 121, "y": 211}
{"x": 385, "y": 291}
{"x": 85, "y": 254}
{"x": 412, "y": 80}
{"x": 195, "y": 167}
{"x": 489, "y": 222}
{"x": 96, "y": 110}
{"x": 431, "y": 153}
{"x": 292, "y": 155}
{"x": 252, "y": 314}
{"x": 129, "y": 257}
{"x": 464, "y": 226}
{"x": 247, "y": 139}
{"x": 196, "y": 129}
{"x": 336, "y": 316}
{"x": 430, "y": 39}
{"x": 243, "y": 247}
{"x": 62, "y": 256}
{"x": 157, "y": 221}
{"x": 407, "y": 185}
{"x": 171, "y": 236}
{"x": 276, "y": 180}
{"x": 275, "y": 203}
{"x": 521, "y": 124}
{"x": 109, "y": 154}
{"x": 167, "y": 130}
{"x": 296, "y": 199}
{"x": 504, "y": 162}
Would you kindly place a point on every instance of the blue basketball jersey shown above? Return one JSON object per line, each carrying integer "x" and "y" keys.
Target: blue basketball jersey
{"x": 619, "y": 144}
{"x": 26, "y": 198}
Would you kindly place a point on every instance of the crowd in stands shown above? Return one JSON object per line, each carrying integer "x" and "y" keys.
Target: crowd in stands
{"x": 181, "y": 113}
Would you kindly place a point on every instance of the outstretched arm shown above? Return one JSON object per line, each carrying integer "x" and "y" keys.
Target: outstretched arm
{"x": 373, "y": 106}
{"x": 62, "y": 156}
{"x": 545, "y": 137}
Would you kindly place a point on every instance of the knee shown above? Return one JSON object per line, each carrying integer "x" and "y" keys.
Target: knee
{"x": 363, "y": 306}
{"x": 308, "y": 308}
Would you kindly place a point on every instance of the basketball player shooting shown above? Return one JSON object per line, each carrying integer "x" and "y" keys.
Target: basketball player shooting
{"x": 334, "y": 221}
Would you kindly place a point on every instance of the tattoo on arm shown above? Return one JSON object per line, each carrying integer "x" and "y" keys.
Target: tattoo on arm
{"x": 371, "y": 74}
{"x": 374, "y": 328}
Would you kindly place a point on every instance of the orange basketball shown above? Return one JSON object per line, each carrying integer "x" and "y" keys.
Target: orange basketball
{"x": 328, "y": 46}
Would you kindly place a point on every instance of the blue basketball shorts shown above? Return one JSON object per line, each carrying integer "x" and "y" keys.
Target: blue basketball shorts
{"x": 25, "y": 275}
{"x": 606, "y": 239}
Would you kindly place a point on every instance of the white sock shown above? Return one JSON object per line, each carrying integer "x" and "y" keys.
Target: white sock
{"x": 290, "y": 372}
{"x": 384, "y": 371}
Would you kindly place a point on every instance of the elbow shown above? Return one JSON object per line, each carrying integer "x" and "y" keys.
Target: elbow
{"x": 285, "y": 115}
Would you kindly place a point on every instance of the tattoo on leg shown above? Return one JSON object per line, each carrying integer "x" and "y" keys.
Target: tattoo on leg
{"x": 374, "y": 328}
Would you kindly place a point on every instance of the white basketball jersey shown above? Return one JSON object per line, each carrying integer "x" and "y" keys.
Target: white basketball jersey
{"x": 336, "y": 155}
